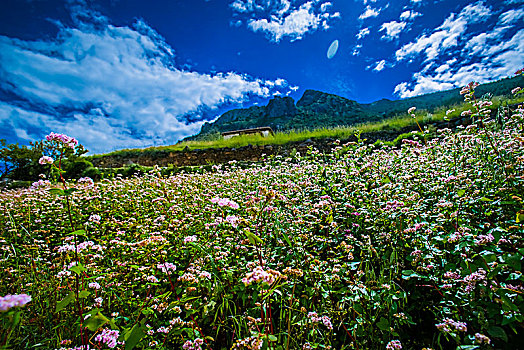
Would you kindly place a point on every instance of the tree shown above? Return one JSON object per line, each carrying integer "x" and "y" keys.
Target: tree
{"x": 24, "y": 162}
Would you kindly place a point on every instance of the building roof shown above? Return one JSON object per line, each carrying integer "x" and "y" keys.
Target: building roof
{"x": 248, "y": 131}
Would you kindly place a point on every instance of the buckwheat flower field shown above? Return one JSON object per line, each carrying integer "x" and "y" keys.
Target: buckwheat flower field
{"x": 416, "y": 247}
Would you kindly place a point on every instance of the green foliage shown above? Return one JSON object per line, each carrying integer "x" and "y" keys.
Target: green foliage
{"x": 22, "y": 162}
{"x": 77, "y": 168}
{"x": 322, "y": 110}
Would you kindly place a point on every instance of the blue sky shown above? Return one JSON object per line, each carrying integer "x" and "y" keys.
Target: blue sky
{"x": 131, "y": 73}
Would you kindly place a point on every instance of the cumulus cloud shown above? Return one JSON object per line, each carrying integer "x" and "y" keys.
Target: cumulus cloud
{"x": 446, "y": 35}
{"x": 409, "y": 15}
{"x": 392, "y": 29}
{"x": 280, "y": 18}
{"x": 480, "y": 56}
{"x": 369, "y": 12}
{"x": 379, "y": 66}
{"x": 362, "y": 33}
{"x": 512, "y": 16}
{"x": 110, "y": 87}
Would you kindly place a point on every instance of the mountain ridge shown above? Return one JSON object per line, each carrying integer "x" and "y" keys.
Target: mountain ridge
{"x": 316, "y": 109}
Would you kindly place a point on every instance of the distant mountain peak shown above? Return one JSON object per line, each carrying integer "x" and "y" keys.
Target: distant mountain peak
{"x": 317, "y": 109}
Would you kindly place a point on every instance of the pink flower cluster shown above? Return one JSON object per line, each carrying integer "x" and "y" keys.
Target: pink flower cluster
{"x": 80, "y": 247}
{"x": 225, "y": 202}
{"x": 254, "y": 343}
{"x": 315, "y": 318}
{"x": 13, "y": 300}
{"x": 233, "y": 220}
{"x": 86, "y": 180}
{"x": 449, "y": 325}
{"x": 45, "y": 160}
{"x": 95, "y": 218}
{"x": 41, "y": 183}
{"x": 166, "y": 267}
{"x": 94, "y": 285}
{"x": 193, "y": 345}
{"x": 68, "y": 141}
{"x": 260, "y": 275}
{"x": 394, "y": 344}
{"x": 152, "y": 279}
{"x": 481, "y": 339}
{"x": 484, "y": 239}
{"x": 469, "y": 88}
{"x": 108, "y": 337}
{"x": 190, "y": 239}
{"x": 471, "y": 280}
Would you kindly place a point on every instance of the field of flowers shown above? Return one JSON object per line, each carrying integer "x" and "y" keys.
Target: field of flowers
{"x": 365, "y": 248}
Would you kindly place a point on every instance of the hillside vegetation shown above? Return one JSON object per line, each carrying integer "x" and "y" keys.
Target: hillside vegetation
{"x": 316, "y": 109}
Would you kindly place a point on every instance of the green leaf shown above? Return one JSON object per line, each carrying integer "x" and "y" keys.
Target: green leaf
{"x": 383, "y": 324}
{"x": 271, "y": 337}
{"x": 486, "y": 199}
{"x": 520, "y": 216}
{"x": 514, "y": 261}
{"x": 57, "y": 191}
{"x": 84, "y": 294}
{"x": 79, "y": 233}
{"x": 489, "y": 256}
{"x": 507, "y": 304}
{"x": 66, "y": 301}
{"x": 93, "y": 323}
{"x": 78, "y": 269}
{"x": 498, "y": 332}
{"x": 407, "y": 274}
{"x": 461, "y": 193}
{"x": 253, "y": 239}
{"x": 16, "y": 319}
{"x": 134, "y": 336}
{"x": 148, "y": 311}
{"x": 69, "y": 191}
{"x": 286, "y": 238}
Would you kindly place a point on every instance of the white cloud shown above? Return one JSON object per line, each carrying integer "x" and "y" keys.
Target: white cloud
{"x": 511, "y": 16}
{"x": 494, "y": 61}
{"x": 482, "y": 43}
{"x": 392, "y": 29}
{"x": 111, "y": 87}
{"x": 356, "y": 50}
{"x": 369, "y": 12}
{"x": 446, "y": 35}
{"x": 362, "y": 33}
{"x": 456, "y": 52}
{"x": 409, "y": 15}
{"x": 379, "y": 66}
{"x": 280, "y": 19}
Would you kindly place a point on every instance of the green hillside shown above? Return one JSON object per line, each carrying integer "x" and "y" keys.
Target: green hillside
{"x": 316, "y": 109}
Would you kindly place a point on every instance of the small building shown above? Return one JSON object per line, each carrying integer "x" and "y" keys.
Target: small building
{"x": 265, "y": 131}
